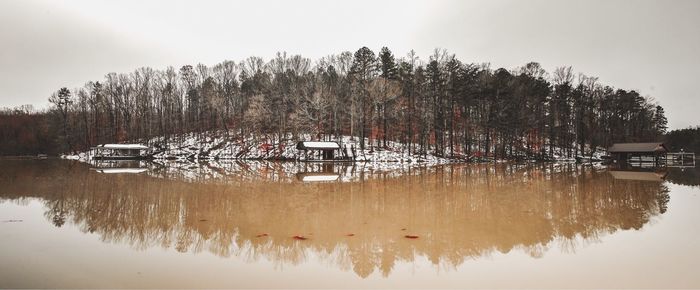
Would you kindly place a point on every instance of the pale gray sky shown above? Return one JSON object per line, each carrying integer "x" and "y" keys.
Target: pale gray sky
{"x": 650, "y": 46}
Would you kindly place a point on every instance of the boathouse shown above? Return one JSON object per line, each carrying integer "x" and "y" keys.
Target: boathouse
{"x": 639, "y": 152}
{"x": 120, "y": 151}
{"x": 328, "y": 150}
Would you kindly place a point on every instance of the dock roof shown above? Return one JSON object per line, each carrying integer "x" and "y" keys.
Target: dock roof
{"x": 317, "y": 145}
{"x": 122, "y": 146}
{"x": 655, "y": 147}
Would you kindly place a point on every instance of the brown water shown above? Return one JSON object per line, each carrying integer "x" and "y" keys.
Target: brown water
{"x": 63, "y": 225}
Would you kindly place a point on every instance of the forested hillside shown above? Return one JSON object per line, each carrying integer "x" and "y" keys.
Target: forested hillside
{"x": 436, "y": 103}
{"x": 687, "y": 139}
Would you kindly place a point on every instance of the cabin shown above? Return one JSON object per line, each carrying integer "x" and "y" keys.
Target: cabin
{"x": 120, "y": 151}
{"x": 639, "y": 152}
{"x": 326, "y": 151}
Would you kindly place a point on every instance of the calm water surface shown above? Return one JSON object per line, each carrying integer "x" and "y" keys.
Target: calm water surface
{"x": 63, "y": 224}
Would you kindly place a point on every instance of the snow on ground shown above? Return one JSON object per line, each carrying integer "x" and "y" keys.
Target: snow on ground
{"x": 221, "y": 146}
{"x": 194, "y": 146}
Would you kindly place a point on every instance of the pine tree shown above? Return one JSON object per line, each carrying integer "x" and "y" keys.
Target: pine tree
{"x": 660, "y": 121}
{"x": 388, "y": 74}
{"x": 363, "y": 69}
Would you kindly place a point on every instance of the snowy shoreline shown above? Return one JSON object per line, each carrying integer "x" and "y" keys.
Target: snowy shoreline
{"x": 217, "y": 146}
{"x": 194, "y": 148}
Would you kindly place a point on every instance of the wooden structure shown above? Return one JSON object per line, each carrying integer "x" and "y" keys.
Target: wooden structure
{"x": 120, "y": 151}
{"x": 329, "y": 151}
{"x": 681, "y": 159}
{"x": 638, "y": 152}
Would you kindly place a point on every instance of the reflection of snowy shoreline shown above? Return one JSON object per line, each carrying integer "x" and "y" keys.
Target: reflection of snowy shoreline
{"x": 263, "y": 170}
{"x": 232, "y": 171}
{"x": 459, "y": 211}
{"x": 272, "y": 171}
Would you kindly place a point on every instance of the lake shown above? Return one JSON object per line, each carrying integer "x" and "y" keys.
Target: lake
{"x": 65, "y": 224}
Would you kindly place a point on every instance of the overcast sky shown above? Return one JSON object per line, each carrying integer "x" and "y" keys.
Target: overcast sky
{"x": 649, "y": 46}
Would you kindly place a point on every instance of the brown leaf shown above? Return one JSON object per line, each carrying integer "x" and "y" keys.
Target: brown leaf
{"x": 350, "y": 235}
{"x": 411, "y": 236}
{"x": 261, "y": 235}
{"x": 300, "y": 238}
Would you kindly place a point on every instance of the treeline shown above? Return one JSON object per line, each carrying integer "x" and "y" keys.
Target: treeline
{"x": 26, "y": 131}
{"x": 439, "y": 105}
{"x": 687, "y": 139}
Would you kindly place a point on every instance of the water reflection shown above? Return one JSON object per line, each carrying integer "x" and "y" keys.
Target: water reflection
{"x": 640, "y": 175}
{"x": 458, "y": 212}
{"x": 232, "y": 171}
{"x": 119, "y": 166}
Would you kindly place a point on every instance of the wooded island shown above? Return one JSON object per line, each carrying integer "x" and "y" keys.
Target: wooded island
{"x": 439, "y": 105}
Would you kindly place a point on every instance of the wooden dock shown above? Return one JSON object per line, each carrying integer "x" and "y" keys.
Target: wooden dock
{"x": 653, "y": 154}
{"x": 680, "y": 159}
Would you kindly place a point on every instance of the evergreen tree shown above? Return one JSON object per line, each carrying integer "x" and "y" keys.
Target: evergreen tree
{"x": 660, "y": 121}
{"x": 363, "y": 71}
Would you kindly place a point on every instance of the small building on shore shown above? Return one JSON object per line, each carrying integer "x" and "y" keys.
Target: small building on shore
{"x": 120, "y": 151}
{"x": 329, "y": 151}
{"x": 643, "y": 152}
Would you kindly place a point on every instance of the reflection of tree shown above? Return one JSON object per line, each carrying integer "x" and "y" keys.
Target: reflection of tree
{"x": 56, "y": 214}
{"x": 234, "y": 171}
{"x": 684, "y": 176}
{"x": 460, "y": 212}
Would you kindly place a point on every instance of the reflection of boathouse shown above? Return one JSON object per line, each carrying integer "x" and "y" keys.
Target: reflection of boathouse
{"x": 119, "y": 170}
{"x": 657, "y": 176}
{"x": 317, "y": 176}
{"x": 119, "y": 166}
{"x": 320, "y": 173}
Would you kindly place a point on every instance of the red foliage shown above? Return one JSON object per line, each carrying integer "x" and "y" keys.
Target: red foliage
{"x": 26, "y": 133}
{"x": 121, "y": 135}
{"x": 266, "y": 147}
